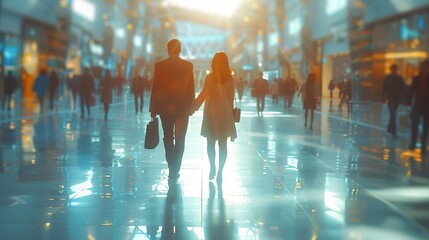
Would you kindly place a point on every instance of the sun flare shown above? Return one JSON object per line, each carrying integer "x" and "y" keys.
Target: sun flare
{"x": 224, "y": 8}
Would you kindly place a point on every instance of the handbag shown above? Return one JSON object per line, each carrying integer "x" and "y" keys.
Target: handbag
{"x": 151, "y": 139}
{"x": 236, "y": 112}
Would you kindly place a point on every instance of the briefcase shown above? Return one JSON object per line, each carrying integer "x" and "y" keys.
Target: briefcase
{"x": 151, "y": 139}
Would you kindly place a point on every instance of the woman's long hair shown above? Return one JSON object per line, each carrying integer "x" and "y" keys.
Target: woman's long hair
{"x": 220, "y": 67}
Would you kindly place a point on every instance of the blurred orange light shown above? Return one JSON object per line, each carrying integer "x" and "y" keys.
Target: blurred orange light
{"x": 414, "y": 54}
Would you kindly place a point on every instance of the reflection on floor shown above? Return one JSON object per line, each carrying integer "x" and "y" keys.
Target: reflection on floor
{"x": 63, "y": 177}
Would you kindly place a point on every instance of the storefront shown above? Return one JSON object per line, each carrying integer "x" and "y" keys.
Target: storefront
{"x": 9, "y": 53}
{"x": 34, "y": 54}
{"x": 403, "y": 41}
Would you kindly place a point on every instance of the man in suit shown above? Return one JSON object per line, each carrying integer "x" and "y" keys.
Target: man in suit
{"x": 419, "y": 99}
{"x": 260, "y": 89}
{"x": 173, "y": 93}
{"x": 393, "y": 91}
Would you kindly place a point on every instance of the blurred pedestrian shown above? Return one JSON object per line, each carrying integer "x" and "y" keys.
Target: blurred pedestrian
{"x": 72, "y": 87}
{"x": 106, "y": 92}
{"x": 218, "y": 121}
{"x": 274, "y": 90}
{"x": 346, "y": 92}
{"x": 137, "y": 89}
{"x": 393, "y": 92}
{"x": 419, "y": 100}
{"x": 259, "y": 91}
{"x": 310, "y": 98}
{"x": 52, "y": 89}
{"x": 240, "y": 88}
{"x": 40, "y": 87}
{"x": 291, "y": 86}
{"x": 119, "y": 83}
{"x": 331, "y": 87}
{"x": 85, "y": 88}
{"x": 10, "y": 86}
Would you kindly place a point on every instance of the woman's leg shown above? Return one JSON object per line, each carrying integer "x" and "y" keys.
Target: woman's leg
{"x": 311, "y": 118}
{"x": 51, "y": 101}
{"x": 136, "y": 102}
{"x": 88, "y": 107}
{"x": 305, "y": 117}
{"x": 82, "y": 105}
{"x": 141, "y": 102}
{"x": 106, "y": 109}
{"x": 211, "y": 153}
{"x": 223, "y": 152}
{"x": 41, "y": 103}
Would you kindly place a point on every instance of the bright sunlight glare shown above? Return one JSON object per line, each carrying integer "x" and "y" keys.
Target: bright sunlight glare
{"x": 224, "y": 8}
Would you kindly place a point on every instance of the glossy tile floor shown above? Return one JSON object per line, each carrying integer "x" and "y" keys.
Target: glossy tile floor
{"x": 63, "y": 177}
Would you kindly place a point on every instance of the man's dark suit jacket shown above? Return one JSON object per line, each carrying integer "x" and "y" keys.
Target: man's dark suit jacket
{"x": 173, "y": 89}
{"x": 419, "y": 95}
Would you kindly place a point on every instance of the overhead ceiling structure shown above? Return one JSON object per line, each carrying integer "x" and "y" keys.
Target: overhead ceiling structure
{"x": 220, "y": 8}
{"x": 202, "y": 25}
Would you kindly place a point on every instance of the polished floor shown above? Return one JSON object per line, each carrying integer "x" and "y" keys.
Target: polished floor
{"x": 63, "y": 177}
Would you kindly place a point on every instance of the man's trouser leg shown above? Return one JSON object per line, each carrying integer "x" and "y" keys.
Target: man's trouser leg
{"x": 393, "y": 108}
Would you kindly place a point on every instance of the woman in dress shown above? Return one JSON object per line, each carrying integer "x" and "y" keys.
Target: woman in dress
{"x": 106, "y": 92}
{"x": 218, "y": 121}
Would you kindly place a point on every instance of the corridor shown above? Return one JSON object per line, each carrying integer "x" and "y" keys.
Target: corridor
{"x": 63, "y": 177}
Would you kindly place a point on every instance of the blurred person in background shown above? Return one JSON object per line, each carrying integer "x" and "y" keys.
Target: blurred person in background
{"x": 137, "y": 89}
{"x": 259, "y": 91}
{"x": 240, "y": 88}
{"x": 119, "y": 83}
{"x": 393, "y": 92}
{"x": 418, "y": 98}
{"x": 53, "y": 87}
{"x": 71, "y": 86}
{"x": 310, "y": 98}
{"x": 106, "y": 92}
{"x": 346, "y": 92}
{"x": 331, "y": 87}
{"x": 290, "y": 87}
{"x": 85, "y": 88}
{"x": 10, "y": 85}
{"x": 274, "y": 90}
{"x": 40, "y": 87}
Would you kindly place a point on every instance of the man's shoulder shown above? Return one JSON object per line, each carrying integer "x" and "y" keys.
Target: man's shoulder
{"x": 161, "y": 62}
{"x": 186, "y": 63}
{"x": 168, "y": 61}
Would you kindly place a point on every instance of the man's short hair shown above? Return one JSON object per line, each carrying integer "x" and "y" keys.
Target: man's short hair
{"x": 174, "y": 47}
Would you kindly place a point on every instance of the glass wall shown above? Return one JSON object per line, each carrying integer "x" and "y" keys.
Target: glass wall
{"x": 405, "y": 42}
{"x": 9, "y": 53}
